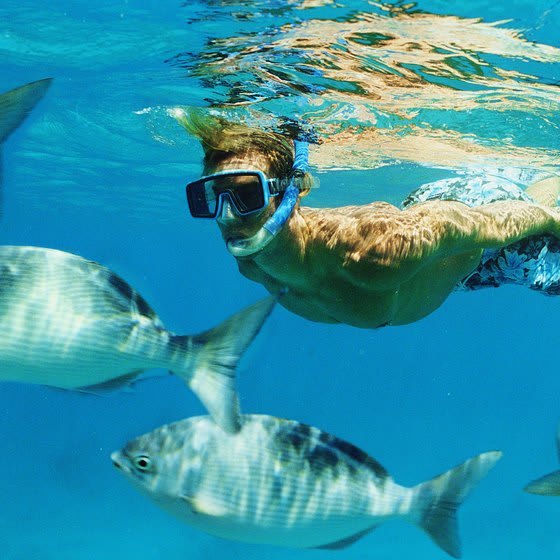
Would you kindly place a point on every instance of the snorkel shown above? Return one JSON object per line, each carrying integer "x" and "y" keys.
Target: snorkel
{"x": 257, "y": 242}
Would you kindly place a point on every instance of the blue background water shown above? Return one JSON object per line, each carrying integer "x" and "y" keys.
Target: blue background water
{"x": 92, "y": 173}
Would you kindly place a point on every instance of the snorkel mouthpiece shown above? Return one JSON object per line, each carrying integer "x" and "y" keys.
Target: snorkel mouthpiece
{"x": 258, "y": 241}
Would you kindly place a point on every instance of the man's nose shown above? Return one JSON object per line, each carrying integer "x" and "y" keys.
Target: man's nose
{"x": 227, "y": 213}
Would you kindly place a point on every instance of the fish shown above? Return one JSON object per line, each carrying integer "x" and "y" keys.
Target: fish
{"x": 281, "y": 482}
{"x": 15, "y": 105}
{"x": 549, "y": 484}
{"x": 71, "y": 323}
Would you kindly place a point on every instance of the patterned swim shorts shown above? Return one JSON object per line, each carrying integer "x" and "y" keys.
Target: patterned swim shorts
{"x": 533, "y": 262}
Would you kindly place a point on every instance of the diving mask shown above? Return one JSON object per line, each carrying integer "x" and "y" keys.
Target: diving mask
{"x": 247, "y": 191}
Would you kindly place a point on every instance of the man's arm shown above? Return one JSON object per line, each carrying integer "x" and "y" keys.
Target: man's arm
{"x": 385, "y": 245}
{"x": 502, "y": 223}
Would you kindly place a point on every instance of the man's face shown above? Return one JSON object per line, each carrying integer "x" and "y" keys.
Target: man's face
{"x": 230, "y": 222}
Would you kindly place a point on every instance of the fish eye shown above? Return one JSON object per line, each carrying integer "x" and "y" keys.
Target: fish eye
{"x": 142, "y": 463}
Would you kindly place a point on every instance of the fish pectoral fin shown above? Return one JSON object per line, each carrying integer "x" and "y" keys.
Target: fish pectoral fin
{"x": 205, "y": 505}
{"x": 116, "y": 384}
{"x": 547, "y": 485}
{"x": 347, "y": 541}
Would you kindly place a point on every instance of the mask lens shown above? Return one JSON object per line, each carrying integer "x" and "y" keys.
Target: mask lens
{"x": 201, "y": 199}
{"x": 248, "y": 193}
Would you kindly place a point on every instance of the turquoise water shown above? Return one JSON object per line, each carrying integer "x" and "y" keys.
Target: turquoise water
{"x": 400, "y": 94}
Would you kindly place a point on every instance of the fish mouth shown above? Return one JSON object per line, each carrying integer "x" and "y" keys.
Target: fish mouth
{"x": 115, "y": 456}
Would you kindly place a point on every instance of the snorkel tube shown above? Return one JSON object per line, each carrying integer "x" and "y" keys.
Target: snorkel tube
{"x": 258, "y": 241}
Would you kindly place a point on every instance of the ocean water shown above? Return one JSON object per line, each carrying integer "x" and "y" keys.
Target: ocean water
{"x": 399, "y": 94}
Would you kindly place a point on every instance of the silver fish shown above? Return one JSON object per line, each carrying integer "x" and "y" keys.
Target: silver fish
{"x": 284, "y": 483}
{"x": 15, "y": 105}
{"x": 549, "y": 484}
{"x": 72, "y": 323}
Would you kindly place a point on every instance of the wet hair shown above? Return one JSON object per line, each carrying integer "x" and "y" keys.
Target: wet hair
{"x": 222, "y": 139}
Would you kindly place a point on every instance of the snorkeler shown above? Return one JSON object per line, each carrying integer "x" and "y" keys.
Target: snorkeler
{"x": 371, "y": 265}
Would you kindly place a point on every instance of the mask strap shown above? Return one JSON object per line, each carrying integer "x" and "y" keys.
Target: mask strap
{"x": 258, "y": 241}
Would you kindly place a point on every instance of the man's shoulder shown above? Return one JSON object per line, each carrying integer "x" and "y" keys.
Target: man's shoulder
{"x": 367, "y": 211}
{"x": 357, "y": 229}
{"x": 383, "y": 213}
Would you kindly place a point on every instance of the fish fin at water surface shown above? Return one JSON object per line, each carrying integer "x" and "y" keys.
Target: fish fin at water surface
{"x": 547, "y": 485}
{"x": 338, "y": 545}
{"x": 218, "y": 352}
{"x": 205, "y": 506}
{"x": 437, "y": 500}
{"x": 15, "y": 105}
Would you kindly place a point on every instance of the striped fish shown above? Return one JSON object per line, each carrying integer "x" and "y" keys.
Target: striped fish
{"x": 15, "y": 105}
{"x": 284, "y": 483}
{"x": 549, "y": 484}
{"x": 71, "y": 323}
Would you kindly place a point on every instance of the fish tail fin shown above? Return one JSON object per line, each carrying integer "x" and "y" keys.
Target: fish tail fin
{"x": 215, "y": 354}
{"x": 17, "y": 103}
{"x": 437, "y": 500}
{"x": 547, "y": 485}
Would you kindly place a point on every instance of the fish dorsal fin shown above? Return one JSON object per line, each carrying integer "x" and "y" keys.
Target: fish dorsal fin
{"x": 205, "y": 505}
{"x": 347, "y": 541}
